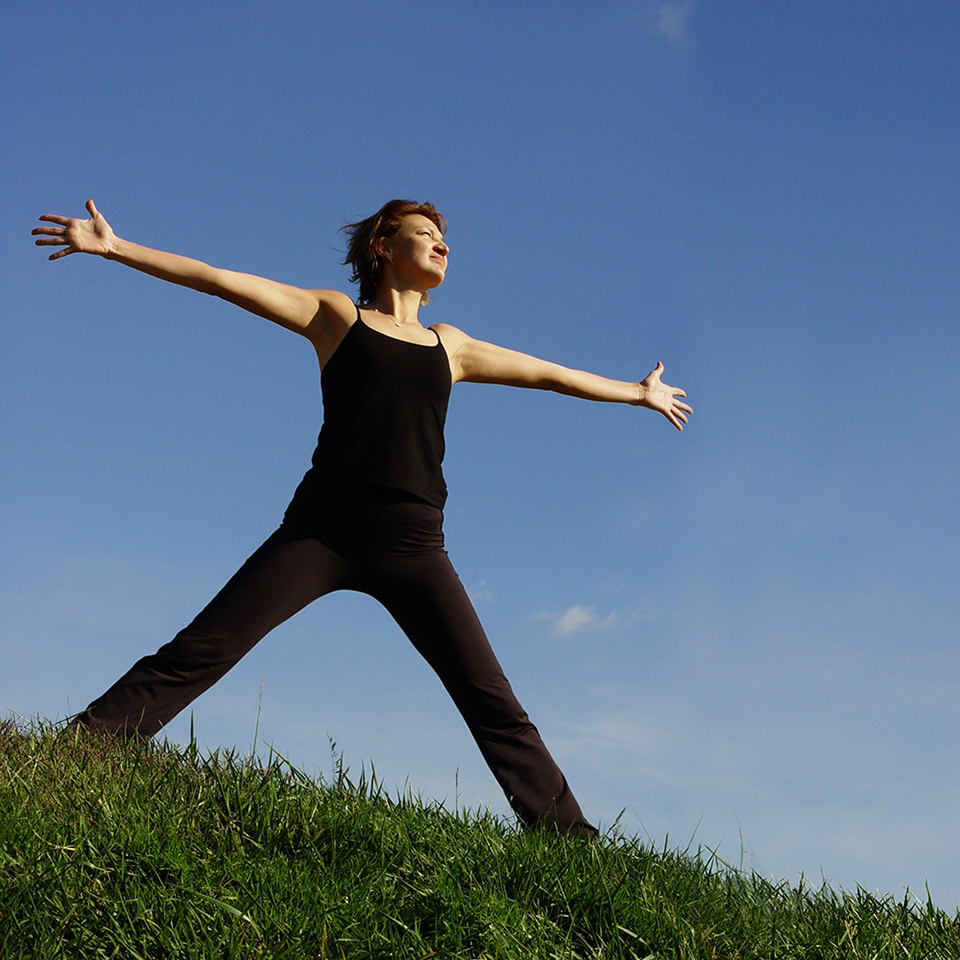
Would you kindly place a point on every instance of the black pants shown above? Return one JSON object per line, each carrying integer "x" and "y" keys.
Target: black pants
{"x": 390, "y": 546}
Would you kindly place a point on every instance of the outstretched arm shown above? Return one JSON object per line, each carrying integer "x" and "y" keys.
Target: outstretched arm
{"x": 478, "y": 362}
{"x": 291, "y": 307}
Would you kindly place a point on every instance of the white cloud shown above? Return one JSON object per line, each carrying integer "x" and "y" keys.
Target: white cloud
{"x": 672, "y": 19}
{"x": 579, "y": 618}
{"x": 480, "y": 594}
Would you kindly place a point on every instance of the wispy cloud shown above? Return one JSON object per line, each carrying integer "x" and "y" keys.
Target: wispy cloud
{"x": 480, "y": 593}
{"x": 672, "y": 19}
{"x": 581, "y": 618}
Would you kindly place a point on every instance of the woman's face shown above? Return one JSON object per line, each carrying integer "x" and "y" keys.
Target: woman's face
{"x": 418, "y": 252}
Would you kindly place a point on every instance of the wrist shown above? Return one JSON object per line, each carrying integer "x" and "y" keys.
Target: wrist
{"x": 114, "y": 248}
{"x": 641, "y": 394}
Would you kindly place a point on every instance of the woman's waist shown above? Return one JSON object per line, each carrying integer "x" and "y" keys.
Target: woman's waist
{"x": 393, "y": 474}
{"x": 355, "y": 519}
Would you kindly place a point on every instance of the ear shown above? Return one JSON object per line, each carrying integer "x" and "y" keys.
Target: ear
{"x": 381, "y": 248}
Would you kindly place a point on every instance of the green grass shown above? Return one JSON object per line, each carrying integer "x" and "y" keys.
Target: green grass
{"x": 145, "y": 851}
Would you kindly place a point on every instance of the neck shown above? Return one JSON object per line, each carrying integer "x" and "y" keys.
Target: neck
{"x": 401, "y": 307}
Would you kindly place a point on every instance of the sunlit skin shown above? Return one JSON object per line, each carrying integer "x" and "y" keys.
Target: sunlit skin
{"x": 413, "y": 263}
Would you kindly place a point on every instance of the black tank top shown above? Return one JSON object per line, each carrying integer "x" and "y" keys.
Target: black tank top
{"x": 384, "y": 408}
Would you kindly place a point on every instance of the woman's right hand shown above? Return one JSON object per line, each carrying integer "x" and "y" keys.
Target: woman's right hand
{"x": 76, "y": 236}
{"x": 306, "y": 312}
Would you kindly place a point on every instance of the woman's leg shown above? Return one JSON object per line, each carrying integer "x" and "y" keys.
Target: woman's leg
{"x": 425, "y": 596}
{"x": 280, "y": 578}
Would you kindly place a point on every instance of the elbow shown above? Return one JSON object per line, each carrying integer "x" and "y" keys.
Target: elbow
{"x": 209, "y": 282}
{"x": 558, "y": 381}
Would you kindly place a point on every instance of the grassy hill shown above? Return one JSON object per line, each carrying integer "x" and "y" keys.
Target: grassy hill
{"x": 111, "y": 850}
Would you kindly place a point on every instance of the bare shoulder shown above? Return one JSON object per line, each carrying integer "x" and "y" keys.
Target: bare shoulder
{"x": 453, "y": 337}
{"x": 458, "y": 346}
{"x": 336, "y": 306}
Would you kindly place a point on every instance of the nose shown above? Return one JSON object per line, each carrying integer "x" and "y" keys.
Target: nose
{"x": 441, "y": 245}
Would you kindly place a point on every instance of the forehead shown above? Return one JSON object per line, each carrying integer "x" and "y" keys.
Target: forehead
{"x": 416, "y": 221}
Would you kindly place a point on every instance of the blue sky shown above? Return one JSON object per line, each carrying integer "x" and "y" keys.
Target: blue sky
{"x": 745, "y": 634}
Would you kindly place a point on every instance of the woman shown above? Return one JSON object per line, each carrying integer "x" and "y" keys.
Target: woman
{"x": 367, "y": 516}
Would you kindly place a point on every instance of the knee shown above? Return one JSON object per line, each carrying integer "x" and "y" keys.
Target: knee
{"x": 194, "y": 647}
{"x": 497, "y": 709}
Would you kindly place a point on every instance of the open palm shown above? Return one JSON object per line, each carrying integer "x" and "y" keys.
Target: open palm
{"x": 76, "y": 236}
{"x": 661, "y": 397}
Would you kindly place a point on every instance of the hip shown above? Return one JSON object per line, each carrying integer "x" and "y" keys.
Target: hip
{"x": 357, "y": 521}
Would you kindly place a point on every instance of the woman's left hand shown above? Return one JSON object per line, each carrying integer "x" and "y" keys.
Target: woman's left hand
{"x": 661, "y": 397}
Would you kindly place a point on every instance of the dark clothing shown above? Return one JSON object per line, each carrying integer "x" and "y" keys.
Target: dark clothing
{"x": 364, "y": 536}
{"x": 389, "y": 546}
{"x": 384, "y": 408}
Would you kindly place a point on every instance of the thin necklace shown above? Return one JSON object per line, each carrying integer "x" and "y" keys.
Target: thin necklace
{"x": 397, "y": 323}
